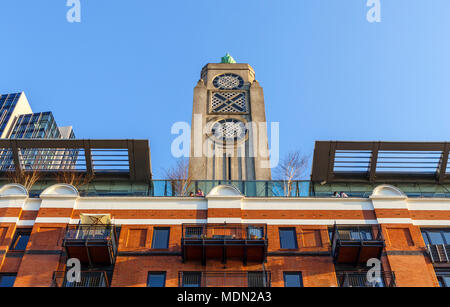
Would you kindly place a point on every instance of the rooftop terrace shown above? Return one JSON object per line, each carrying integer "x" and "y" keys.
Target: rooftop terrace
{"x": 122, "y": 168}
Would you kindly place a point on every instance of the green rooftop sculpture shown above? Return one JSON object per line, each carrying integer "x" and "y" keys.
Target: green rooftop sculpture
{"x": 228, "y": 59}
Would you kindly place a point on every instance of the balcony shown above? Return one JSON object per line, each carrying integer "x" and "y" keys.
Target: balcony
{"x": 359, "y": 279}
{"x": 91, "y": 244}
{"x": 439, "y": 253}
{"x": 89, "y": 279}
{"x": 225, "y": 279}
{"x": 224, "y": 241}
{"x": 355, "y": 244}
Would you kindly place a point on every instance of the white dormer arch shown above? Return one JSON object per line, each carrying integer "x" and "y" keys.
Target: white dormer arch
{"x": 224, "y": 191}
{"x": 13, "y": 190}
{"x": 387, "y": 191}
{"x": 60, "y": 190}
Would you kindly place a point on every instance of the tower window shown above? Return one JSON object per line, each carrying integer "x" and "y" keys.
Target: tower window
{"x": 228, "y": 130}
{"x": 229, "y": 102}
{"x": 228, "y": 82}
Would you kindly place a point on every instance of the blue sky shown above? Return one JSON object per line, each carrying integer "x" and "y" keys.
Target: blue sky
{"x": 129, "y": 68}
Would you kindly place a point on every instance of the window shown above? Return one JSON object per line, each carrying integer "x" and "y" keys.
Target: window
{"x": 436, "y": 236}
{"x": 7, "y": 280}
{"x": 444, "y": 280}
{"x": 160, "y": 238}
{"x": 228, "y": 82}
{"x": 446, "y": 235}
{"x": 228, "y": 102}
{"x": 228, "y": 130}
{"x": 362, "y": 234}
{"x": 288, "y": 238}
{"x": 156, "y": 279}
{"x": 192, "y": 279}
{"x": 255, "y": 232}
{"x": 293, "y": 279}
{"x": 20, "y": 240}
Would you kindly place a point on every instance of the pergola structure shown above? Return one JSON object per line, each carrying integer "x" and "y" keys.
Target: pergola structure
{"x": 128, "y": 159}
{"x": 336, "y": 161}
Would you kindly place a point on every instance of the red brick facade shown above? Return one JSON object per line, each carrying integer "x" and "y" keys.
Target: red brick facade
{"x": 404, "y": 252}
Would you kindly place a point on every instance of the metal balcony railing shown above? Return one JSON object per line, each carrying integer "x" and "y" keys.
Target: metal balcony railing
{"x": 356, "y": 244}
{"x": 94, "y": 243}
{"x": 225, "y": 241}
{"x": 248, "y": 188}
{"x": 360, "y": 279}
{"x": 91, "y": 233}
{"x": 227, "y": 232}
{"x": 88, "y": 279}
{"x": 439, "y": 252}
{"x": 258, "y": 279}
{"x": 355, "y": 234}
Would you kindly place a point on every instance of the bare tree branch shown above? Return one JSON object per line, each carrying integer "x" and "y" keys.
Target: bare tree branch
{"x": 74, "y": 178}
{"x": 180, "y": 178}
{"x": 27, "y": 179}
{"x": 292, "y": 167}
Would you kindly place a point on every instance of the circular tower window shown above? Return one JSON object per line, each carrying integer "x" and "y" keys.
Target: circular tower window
{"x": 228, "y": 82}
{"x": 228, "y": 130}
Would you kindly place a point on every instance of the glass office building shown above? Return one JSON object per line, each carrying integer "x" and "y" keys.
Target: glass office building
{"x": 35, "y": 126}
{"x": 11, "y": 105}
{"x": 17, "y": 121}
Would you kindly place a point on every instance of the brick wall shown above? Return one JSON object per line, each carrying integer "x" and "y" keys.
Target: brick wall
{"x": 404, "y": 253}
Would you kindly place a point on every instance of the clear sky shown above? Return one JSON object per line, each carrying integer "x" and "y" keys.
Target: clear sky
{"x": 129, "y": 68}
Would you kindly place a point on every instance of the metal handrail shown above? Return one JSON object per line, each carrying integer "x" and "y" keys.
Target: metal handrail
{"x": 260, "y": 279}
{"x": 89, "y": 279}
{"x": 338, "y": 239}
{"x": 360, "y": 279}
{"x": 90, "y": 232}
{"x": 340, "y": 236}
{"x": 84, "y": 233}
{"x": 248, "y": 188}
{"x": 224, "y": 231}
{"x": 439, "y": 252}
